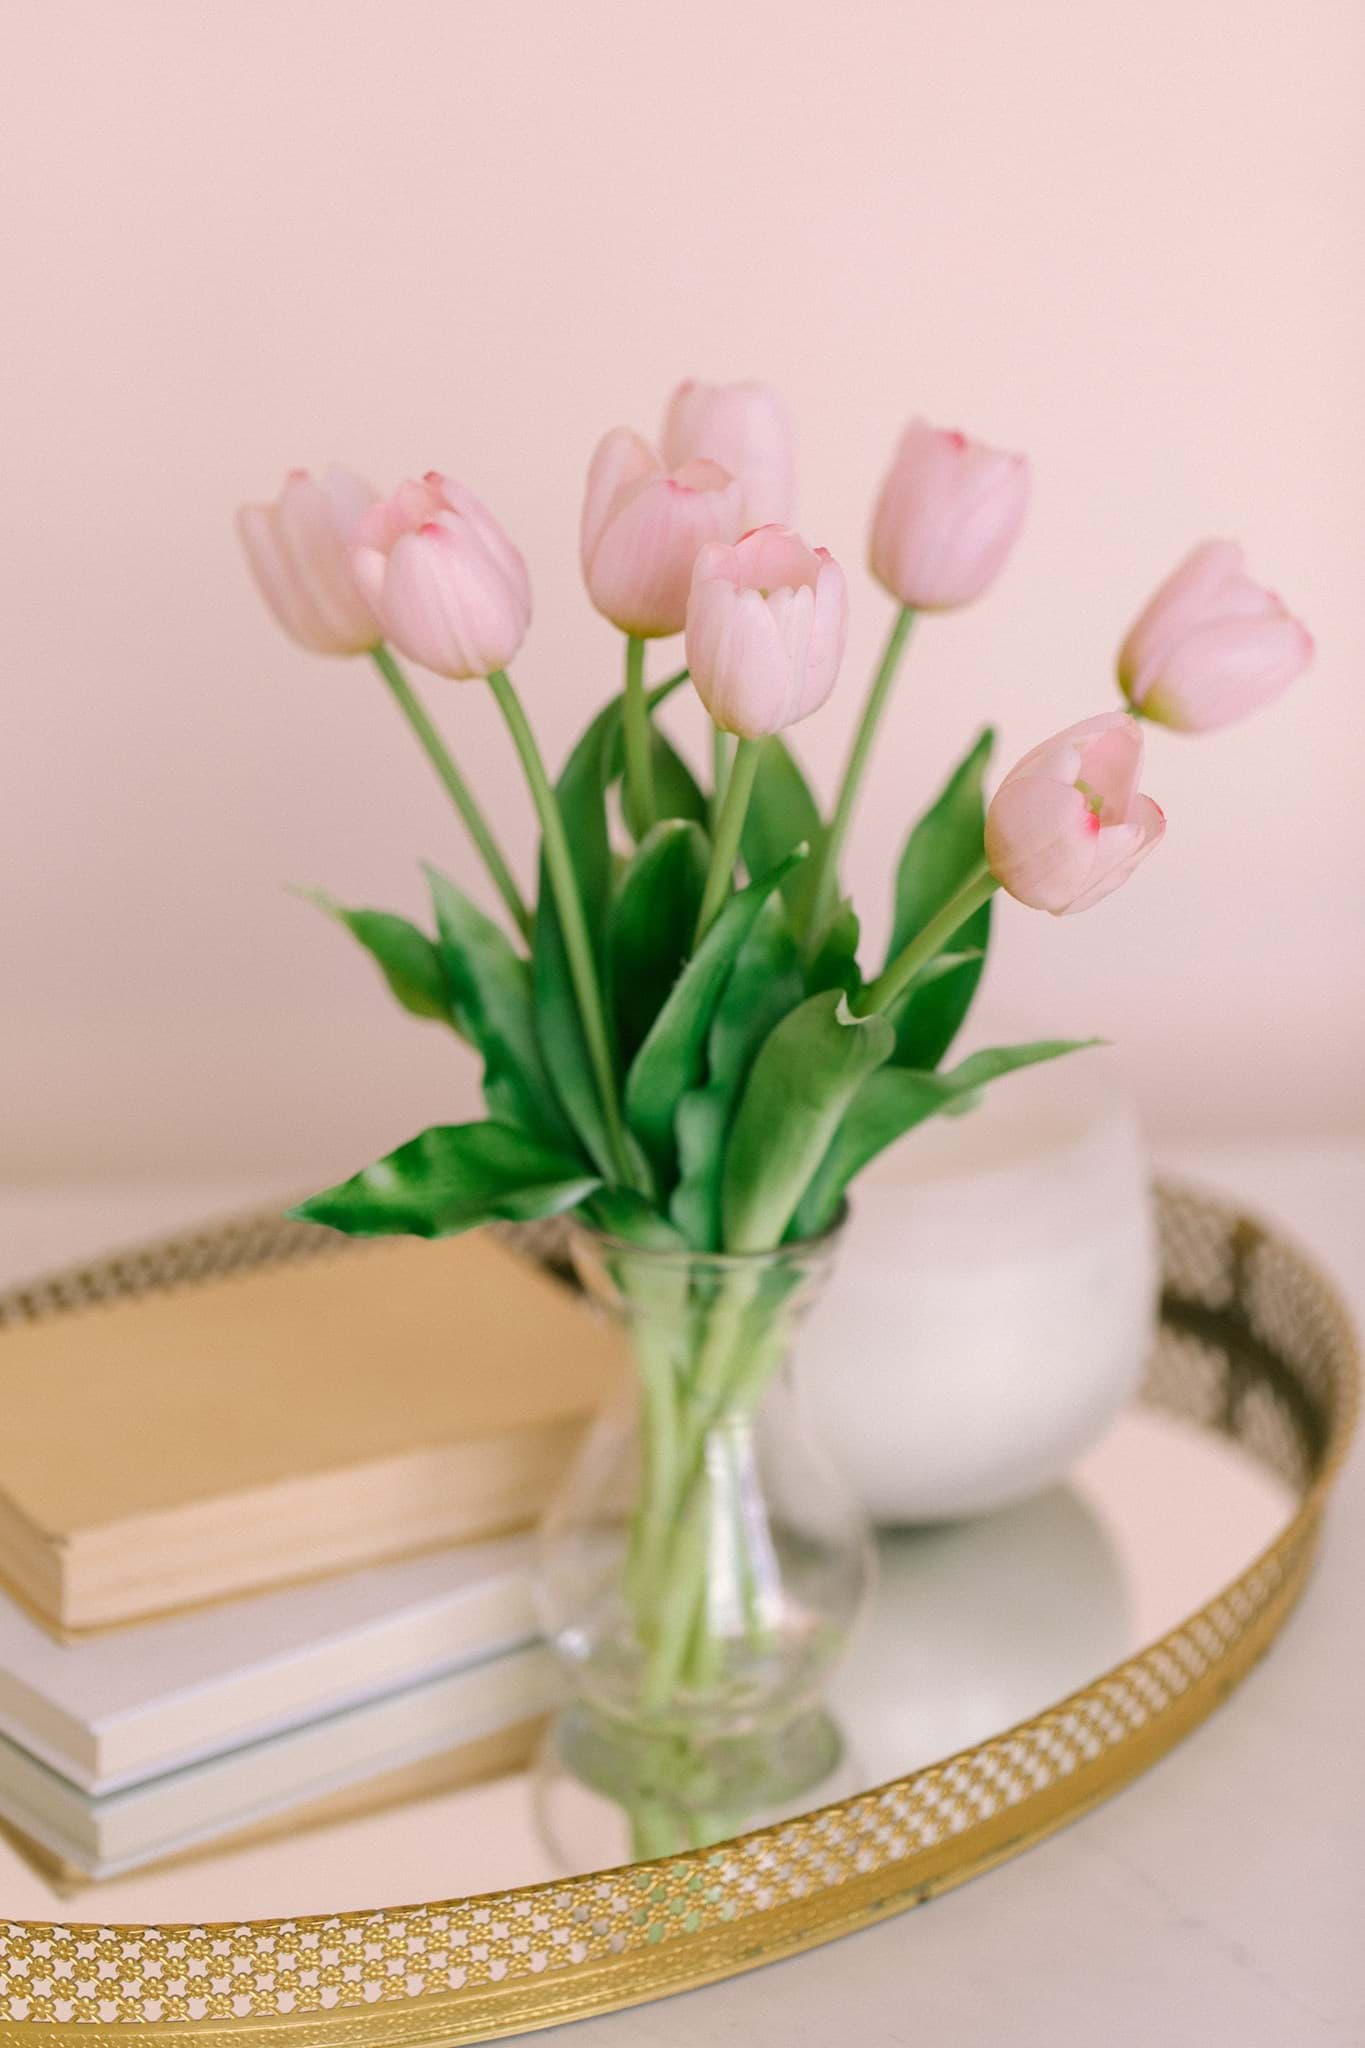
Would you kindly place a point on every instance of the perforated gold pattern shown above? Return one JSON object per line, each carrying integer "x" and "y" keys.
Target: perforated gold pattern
{"x": 1254, "y": 1344}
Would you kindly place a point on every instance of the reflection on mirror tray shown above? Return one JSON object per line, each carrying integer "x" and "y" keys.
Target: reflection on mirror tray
{"x": 972, "y": 1628}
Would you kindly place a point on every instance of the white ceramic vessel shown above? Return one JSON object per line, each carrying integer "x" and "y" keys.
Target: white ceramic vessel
{"x": 994, "y": 1300}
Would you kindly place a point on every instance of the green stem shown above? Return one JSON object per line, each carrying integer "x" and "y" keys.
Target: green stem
{"x": 465, "y": 803}
{"x": 659, "y": 1422}
{"x": 640, "y": 807}
{"x": 674, "y": 1605}
{"x": 827, "y": 862}
{"x": 569, "y": 904}
{"x": 724, "y": 1331}
{"x": 720, "y": 770}
{"x": 725, "y": 840}
{"x": 737, "y": 1361}
{"x": 900, "y": 972}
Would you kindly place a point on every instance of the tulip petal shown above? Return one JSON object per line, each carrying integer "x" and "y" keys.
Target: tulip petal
{"x": 949, "y": 512}
{"x": 507, "y": 561}
{"x": 1226, "y": 670}
{"x": 1111, "y": 762}
{"x": 446, "y": 584}
{"x": 748, "y": 430}
{"x": 1061, "y": 756}
{"x": 316, "y": 553}
{"x": 274, "y": 576}
{"x": 621, "y": 459}
{"x": 349, "y": 496}
{"x": 767, "y": 620}
{"x": 1211, "y": 645}
{"x": 297, "y": 549}
{"x": 640, "y": 570}
{"x": 414, "y": 607}
{"x": 1040, "y": 841}
{"x": 1118, "y": 850}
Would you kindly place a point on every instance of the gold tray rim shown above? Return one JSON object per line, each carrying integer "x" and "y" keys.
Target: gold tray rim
{"x": 644, "y": 1930}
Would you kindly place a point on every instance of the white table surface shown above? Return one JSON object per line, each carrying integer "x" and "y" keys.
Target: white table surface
{"x": 1219, "y": 1900}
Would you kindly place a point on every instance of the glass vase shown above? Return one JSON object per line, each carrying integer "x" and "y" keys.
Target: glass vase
{"x": 703, "y": 1564}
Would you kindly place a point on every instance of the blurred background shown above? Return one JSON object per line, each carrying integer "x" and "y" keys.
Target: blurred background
{"x": 1127, "y": 240}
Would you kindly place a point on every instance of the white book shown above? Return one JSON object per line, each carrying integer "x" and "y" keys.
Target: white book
{"x": 167, "y": 1815}
{"x": 114, "y": 1709}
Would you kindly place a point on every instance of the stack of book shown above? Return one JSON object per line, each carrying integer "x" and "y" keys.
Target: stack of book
{"x": 261, "y": 1544}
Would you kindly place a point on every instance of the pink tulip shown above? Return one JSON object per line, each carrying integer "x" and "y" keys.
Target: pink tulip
{"x": 1067, "y": 824}
{"x": 746, "y": 429}
{"x": 766, "y": 624}
{"x": 643, "y": 528}
{"x": 297, "y": 550}
{"x": 949, "y": 512}
{"x": 447, "y": 585}
{"x": 1212, "y": 645}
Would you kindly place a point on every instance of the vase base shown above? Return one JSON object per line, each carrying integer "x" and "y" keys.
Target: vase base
{"x": 605, "y": 1791}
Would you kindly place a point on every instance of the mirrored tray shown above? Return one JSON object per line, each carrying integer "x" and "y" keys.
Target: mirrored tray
{"x": 1014, "y": 1671}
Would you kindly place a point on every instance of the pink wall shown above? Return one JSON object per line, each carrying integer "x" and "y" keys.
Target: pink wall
{"x": 1127, "y": 239}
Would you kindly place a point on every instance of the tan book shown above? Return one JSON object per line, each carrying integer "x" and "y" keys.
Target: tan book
{"x": 278, "y": 1424}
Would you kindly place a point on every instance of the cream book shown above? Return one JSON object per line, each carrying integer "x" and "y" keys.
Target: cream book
{"x": 498, "y": 1755}
{"x": 288, "y": 1773}
{"x": 279, "y": 1424}
{"x": 126, "y": 1704}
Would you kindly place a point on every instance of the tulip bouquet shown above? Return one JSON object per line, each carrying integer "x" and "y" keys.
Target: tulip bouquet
{"x": 680, "y": 1040}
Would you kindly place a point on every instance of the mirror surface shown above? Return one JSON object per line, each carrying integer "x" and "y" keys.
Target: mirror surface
{"x": 973, "y": 1627}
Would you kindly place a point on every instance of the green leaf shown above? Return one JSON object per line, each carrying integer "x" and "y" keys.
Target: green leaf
{"x": 765, "y": 983}
{"x": 559, "y": 1033}
{"x": 620, "y": 1212}
{"x": 700, "y": 1126}
{"x": 835, "y": 964}
{"x": 490, "y": 988}
{"x": 669, "y": 1064}
{"x": 409, "y": 962}
{"x": 927, "y": 1018}
{"x": 581, "y": 794}
{"x": 595, "y": 763}
{"x": 450, "y": 1178}
{"x": 652, "y": 924}
{"x": 808, "y": 1071}
{"x": 939, "y": 857}
{"x": 893, "y": 1101}
{"x": 943, "y": 848}
{"x": 782, "y": 814}
{"x": 934, "y": 1008}
{"x": 677, "y": 793}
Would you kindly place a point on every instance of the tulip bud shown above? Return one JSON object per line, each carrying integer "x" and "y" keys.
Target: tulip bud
{"x": 766, "y": 624}
{"x": 949, "y": 512}
{"x": 746, "y": 429}
{"x": 1212, "y": 645}
{"x": 1067, "y": 824}
{"x": 643, "y": 529}
{"x": 297, "y": 549}
{"x": 447, "y": 585}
